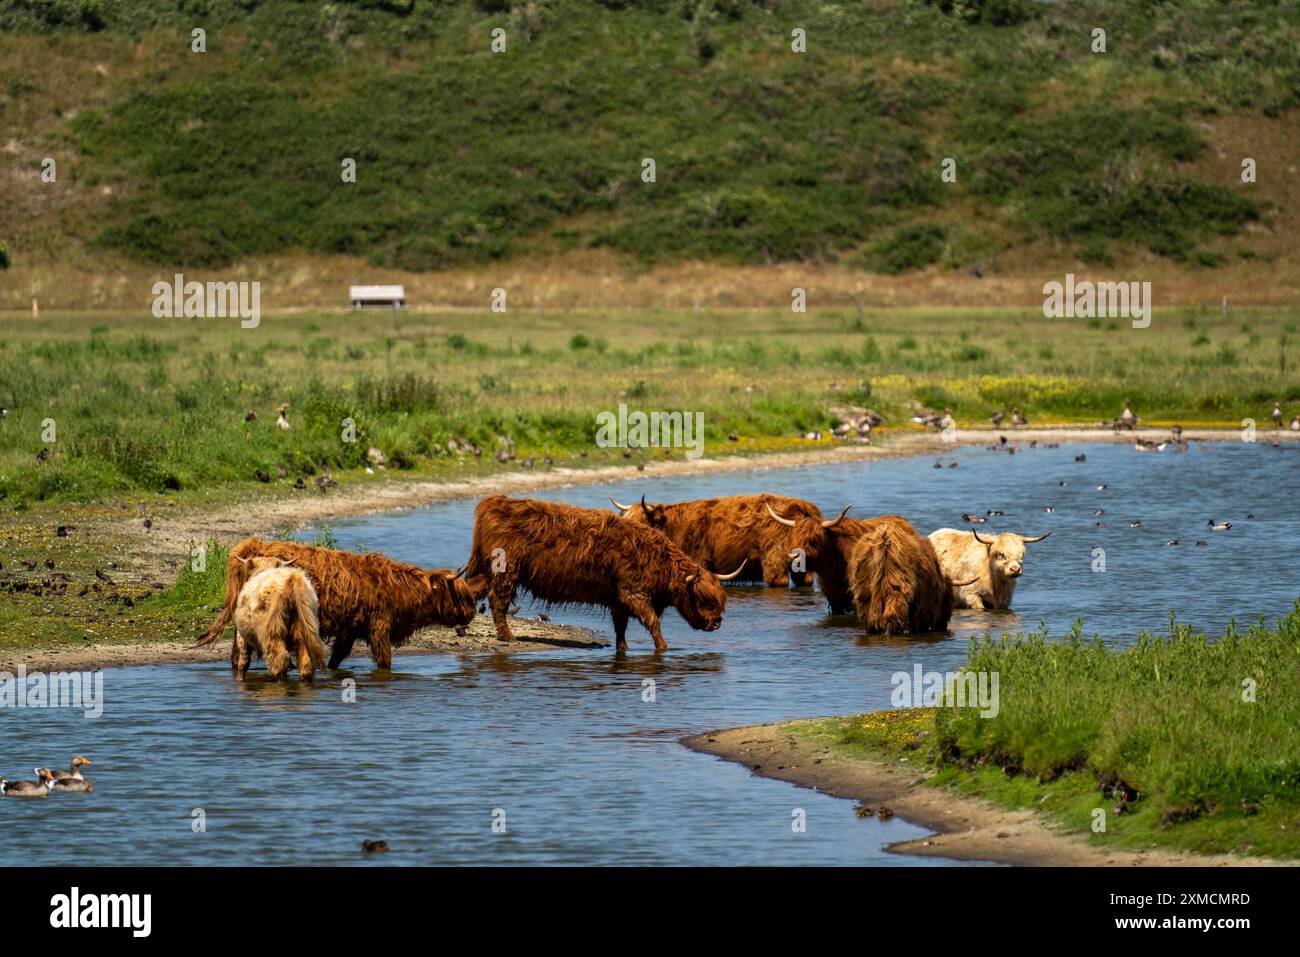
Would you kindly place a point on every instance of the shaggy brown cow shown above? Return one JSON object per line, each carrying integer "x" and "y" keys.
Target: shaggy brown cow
{"x": 563, "y": 554}
{"x": 826, "y": 548}
{"x": 897, "y": 583}
{"x": 366, "y": 597}
{"x": 723, "y": 532}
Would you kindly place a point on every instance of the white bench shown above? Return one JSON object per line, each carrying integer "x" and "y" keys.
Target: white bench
{"x": 385, "y": 296}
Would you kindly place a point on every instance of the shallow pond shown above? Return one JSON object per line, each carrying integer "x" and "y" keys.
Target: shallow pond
{"x": 561, "y": 741}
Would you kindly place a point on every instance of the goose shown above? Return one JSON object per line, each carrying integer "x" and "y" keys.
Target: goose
{"x": 1126, "y": 418}
{"x": 282, "y": 422}
{"x": 997, "y": 417}
{"x": 38, "y": 788}
{"x": 1218, "y": 526}
{"x": 1017, "y": 419}
{"x": 1295, "y": 423}
{"x": 82, "y": 785}
{"x": 1177, "y": 432}
{"x": 1277, "y": 414}
{"x": 75, "y": 773}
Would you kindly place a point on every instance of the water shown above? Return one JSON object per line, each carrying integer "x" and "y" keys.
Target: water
{"x": 561, "y": 741}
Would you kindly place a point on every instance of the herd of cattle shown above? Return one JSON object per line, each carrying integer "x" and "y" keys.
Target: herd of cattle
{"x": 288, "y": 599}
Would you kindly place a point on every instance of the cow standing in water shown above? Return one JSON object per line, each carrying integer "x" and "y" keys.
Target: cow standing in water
{"x": 726, "y": 532}
{"x": 563, "y": 554}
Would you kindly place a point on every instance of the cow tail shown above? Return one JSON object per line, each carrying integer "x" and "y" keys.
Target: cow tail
{"x": 305, "y": 630}
{"x": 236, "y": 576}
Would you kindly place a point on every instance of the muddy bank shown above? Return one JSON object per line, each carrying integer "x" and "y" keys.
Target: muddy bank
{"x": 171, "y": 535}
{"x": 966, "y": 828}
{"x": 530, "y": 633}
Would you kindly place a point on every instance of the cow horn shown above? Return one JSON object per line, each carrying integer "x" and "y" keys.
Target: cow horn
{"x": 831, "y": 523}
{"x": 619, "y": 505}
{"x": 644, "y": 506}
{"x": 980, "y": 540}
{"x": 690, "y": 579}
{"x": 240, "y": 558}
{"x": 1030, "y": 541}
{"x": 461, "y": 571}
{"x": 783, "y": 521}
{"x": 727, "y": 578}
{"x": 452, "y": 576}
{"x": 964, "y": 584}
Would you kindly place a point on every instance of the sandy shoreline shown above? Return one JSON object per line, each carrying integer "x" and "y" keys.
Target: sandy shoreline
{"x": 233, "y": 522}
{"x": 530, "y": 633}
{"x": 966, "y": 828}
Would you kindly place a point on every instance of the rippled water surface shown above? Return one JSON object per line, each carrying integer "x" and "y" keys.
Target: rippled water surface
{"x": 561, "y": 741}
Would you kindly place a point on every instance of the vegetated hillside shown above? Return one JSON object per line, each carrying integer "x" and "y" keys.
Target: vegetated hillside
{"x": 761, "y": 154}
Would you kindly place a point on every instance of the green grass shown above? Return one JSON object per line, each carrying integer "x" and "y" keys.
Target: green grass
{"x": 159, "y": 408}
{"x": 762, "y": 154}
{"x": 1212, "y": 772}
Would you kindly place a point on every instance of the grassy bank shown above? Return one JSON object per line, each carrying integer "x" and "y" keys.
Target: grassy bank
{"x": 142, "y": 407}
{"x": 1158, "y": 737}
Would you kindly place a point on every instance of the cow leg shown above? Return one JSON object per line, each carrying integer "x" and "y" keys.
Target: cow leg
{"x": 240, "y": 656}
{"x": 644, "y": 612}
{"x": 776, "y": 570}
{"x": 306, "y": 670}
{"x": 381, "y": 651}
{"x": 620, "y": 628}
{"x": 500, "y": 594}
{"x": 341, "y": 649}
{"x": 277, "y": 660}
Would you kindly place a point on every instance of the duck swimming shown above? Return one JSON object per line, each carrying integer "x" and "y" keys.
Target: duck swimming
{"x": 82, "y": 785}
{"x": 75, "y": 773}
{"x": 28, "y": 788}
{"x": 1218, "y": 526}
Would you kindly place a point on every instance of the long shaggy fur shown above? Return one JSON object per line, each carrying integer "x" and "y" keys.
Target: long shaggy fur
{"x": 828, "y": 552}
{"x": 366, "y": 597}
{"x": 720, "y": 533}
{"x": 898, "y": 586}
{"x": 995, "y": 561}
{"x": 568, "y": 555}
{"x": 276, "y": 617}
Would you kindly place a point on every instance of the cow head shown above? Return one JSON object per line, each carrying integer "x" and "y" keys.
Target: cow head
{"x": 701, "y": 599}
{"x": 656, "y": 516}
{"x": 810, "y": 537}
{"x": 1006, "y": 552}
{"x": 452, "y": 595}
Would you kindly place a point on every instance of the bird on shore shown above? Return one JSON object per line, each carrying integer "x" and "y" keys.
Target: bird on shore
{"x": 281, "y": 421}
{"x": 1295, "y": 423}
{"x": 1218, "y": 526}
{"x": 1017, "y": 419}
{"x": 997, "y": 417}
{"x": 250, "y": 416}
{"x": 1127, "y": 420}
{"x": 1277, "y": 414}
{"x": 38, "y": 788}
